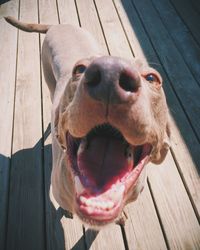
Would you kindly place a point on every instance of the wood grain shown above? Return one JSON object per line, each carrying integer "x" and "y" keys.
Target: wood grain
{"x": 190, "y": 15}
{"x": 172, "y": 60}
{"x": 177, "y": 215}
{"x": 89, "y": 21}
{"x": 113, "y": 30}
{"x": 67, "y": 12}
{"x": 26, "y": 206}
{"x": 108, "y": 238}
{"x": 8, "y": 51}
{"x": 181, "y": 36}
{"x": 142, "y": 226}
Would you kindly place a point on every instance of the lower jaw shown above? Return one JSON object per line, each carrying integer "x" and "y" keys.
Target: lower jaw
{"x": 99, "y": 218}
{"x": 97, "y": 215}
{"x": 98, "y": 221}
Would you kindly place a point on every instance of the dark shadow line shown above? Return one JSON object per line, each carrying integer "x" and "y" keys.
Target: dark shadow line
{"x": 13, "y": 126}
{"x": 124, "y": 237}
{"x": 89, "y": 237}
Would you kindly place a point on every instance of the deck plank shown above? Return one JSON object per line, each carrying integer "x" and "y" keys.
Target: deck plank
{"x": 184, "y": 144}
{"x": 109, "y": 238}
{"x": 190, "y": 15}
{"x": 185, "y": 43}
{"x": 179, "y": 74}
{"x": 89, "y": 21}
{"x": 113, "y": 30}
{"x": 73, "y": 232}
{"x": 8, "y": 51}
{"x": 26, "y": 206}
{"x": 142, "y": 226}
{"x": 67, "y": 12}
{"x": 176, "y": 212}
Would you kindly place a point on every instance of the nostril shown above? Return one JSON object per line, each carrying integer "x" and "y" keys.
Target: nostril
{"x": 94, "y": 78}
{"x": 129, "y": 82}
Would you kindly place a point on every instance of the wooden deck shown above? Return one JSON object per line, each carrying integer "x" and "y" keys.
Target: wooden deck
{"x": 166, "y": 216}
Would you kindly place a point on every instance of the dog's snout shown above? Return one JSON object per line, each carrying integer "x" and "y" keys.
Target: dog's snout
{"x": 94, "y": 77}
{"x": 112, "y": 80}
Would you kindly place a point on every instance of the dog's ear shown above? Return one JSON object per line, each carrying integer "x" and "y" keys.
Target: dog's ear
{"x": 163, "y": 148}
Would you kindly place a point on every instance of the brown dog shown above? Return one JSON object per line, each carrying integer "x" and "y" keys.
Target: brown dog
{"x": 109, "y": 118}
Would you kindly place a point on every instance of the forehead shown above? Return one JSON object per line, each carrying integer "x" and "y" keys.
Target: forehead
{"x": 142, "y": 67}
{"x": 85, "y": 61}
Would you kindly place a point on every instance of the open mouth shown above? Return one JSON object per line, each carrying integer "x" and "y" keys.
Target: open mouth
{"x": 105, "y": 168}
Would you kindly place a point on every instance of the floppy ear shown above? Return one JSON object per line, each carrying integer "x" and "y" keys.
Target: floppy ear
{"x": 161, "y": 153}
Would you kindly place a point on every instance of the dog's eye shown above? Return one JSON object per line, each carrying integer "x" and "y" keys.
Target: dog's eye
{"x": 154, "y": 79}
{"x": 151, "y": 78}
{"x": 79, "y": 69}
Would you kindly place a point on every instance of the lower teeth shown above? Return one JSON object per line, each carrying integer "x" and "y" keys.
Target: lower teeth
{"x": 97, "y": 204}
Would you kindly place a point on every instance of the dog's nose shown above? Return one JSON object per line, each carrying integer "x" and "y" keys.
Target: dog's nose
{"x": 112, "y": 80}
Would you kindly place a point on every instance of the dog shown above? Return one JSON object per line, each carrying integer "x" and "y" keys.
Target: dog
{"x": 109, "y": 119}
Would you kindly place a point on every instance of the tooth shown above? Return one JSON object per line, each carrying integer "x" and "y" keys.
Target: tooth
{"x": 113, "y": 186}
{"x": 97, "y": 204}
{"x": 78, "y": 185}
{"x": 129, "y": 154}
{"x": 102, "y": 205}
{"x": 83, "y": 200}
{"x": 110, "y": 204}
{"x": 90, "y": 210}
{"x": 120, "y": 190}
{"x": 105, "y": 205}
{"x": 93, "y": 202}
{"x": 82, "y": 146}
{"x": 89, "y": 202}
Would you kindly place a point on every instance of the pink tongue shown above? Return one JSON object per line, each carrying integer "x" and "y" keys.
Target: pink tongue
{"x": 103, "y": 162}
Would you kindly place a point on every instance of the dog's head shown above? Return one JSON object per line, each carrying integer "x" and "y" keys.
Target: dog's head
{"x": 112, "y": 120}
